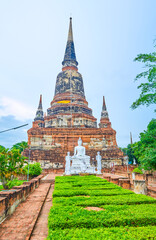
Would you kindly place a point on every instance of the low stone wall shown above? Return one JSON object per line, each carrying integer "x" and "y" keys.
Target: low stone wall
{"x": 10, "y": 199}
{"x": 120, "y": 169}
{"x": 47, "y": 171}
{"x": 139, "y": 183}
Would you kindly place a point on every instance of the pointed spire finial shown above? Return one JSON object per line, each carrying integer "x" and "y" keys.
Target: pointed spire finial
{"x": 70, "y": 33}
{"x": 104, "y": 121}
{"x": 104, "y": 113}
{"x": 39, "y": 112}
{"x": 70, "y": 56}
{"x": 40, "y": 102}
{"x": 104, "y": 104}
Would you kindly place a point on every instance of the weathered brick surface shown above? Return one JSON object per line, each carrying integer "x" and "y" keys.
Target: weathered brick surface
{"x": 20, "y": 224}
{"x": 151, "y": 191}
{"x": 114, "y": 180}
{"x": 125, "y": 183}
{"x": 40, "y": 231}
{"x": 52, "y": 152}
{"x": 10, "y": 199}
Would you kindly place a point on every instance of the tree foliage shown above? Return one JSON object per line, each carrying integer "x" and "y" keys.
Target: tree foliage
{"x": 21, "y": 146}
{"x": 11, "y": 163}
{"x": 145, "y": 149}
{"x": 148, "y": 88}
{"x": 130, "y": 153}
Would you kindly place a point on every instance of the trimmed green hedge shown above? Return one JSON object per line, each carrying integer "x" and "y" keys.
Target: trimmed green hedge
{"x": 102, "y": 200}
{"x": 112, "y": 216}
{"x": 117, "y": 233}
{"x": 103, "y": 192}
{"x": 90, "y": 178}
{"x": 126, "y": 215}
{"x": 86, "y": 186}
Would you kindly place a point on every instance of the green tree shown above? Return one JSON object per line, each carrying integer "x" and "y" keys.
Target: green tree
{"x": 148, "y": 88}
{"x": 145, "y": 149}
{"x": 11, "y": 163}
{"x": 130, "y": 153}
{"x": 21, "y": 146}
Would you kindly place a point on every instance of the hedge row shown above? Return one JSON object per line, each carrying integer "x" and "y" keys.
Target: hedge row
{"x": 69, "y": 179}
{"x": 124, "y": 215}
{"x": 103, "y": 192}
{"x": 117, "y": 233}
{"x": 86, "y": 186}
{"x": 102, "y": 200}
{"x": 111, "y": 216}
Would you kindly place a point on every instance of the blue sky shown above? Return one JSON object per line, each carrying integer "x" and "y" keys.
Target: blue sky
{"x": 107, "y": 34}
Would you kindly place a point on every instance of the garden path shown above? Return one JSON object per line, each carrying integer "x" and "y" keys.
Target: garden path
{"x": 20, "y": 224}
{"x": 30, "y": 219}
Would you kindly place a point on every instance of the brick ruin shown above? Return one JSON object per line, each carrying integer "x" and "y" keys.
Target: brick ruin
{"x": 68, "y": 118}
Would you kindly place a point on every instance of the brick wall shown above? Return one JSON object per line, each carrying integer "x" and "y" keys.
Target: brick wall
{"x": 10, "y": 199}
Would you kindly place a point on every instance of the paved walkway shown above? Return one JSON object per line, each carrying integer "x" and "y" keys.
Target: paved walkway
{"x": 40, "y": 231}
{"x": 21, "y": 223}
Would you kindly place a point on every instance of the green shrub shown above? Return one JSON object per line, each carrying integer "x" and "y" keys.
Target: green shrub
{"x": 102, "y": 200}
{"x": 85, "y": 186}
{"x": 113, "y": 216}
{"x": 103, "y": 192}
{"x": 137, "y": 170}
{"x": 125, "y": 215}
{"x": 15, "y": 182}
{"x": 12, "y": 183}
{"x": 34, "y": 169}
{"x": 64, "y": 179}
{"x": 117, "y": 233}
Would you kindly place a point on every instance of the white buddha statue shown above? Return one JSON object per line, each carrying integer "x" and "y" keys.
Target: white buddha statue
{"x": 80, "y": 162}
{"x": 79, "y": 151}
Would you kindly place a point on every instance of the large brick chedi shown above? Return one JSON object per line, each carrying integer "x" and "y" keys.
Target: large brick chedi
{"x": 69, "y": 118}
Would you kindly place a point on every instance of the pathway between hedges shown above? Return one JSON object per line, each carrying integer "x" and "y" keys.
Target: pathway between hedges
{"x": 30, "y": 219}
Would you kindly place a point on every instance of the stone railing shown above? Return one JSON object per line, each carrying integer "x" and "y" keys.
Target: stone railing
{"x": 10, "y": 199}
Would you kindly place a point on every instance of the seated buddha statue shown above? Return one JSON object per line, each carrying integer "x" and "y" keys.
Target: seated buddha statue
{"x": 79, "y": 151}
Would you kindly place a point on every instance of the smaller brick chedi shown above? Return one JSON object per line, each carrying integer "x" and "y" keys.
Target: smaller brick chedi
{"x": 68, "y": 118}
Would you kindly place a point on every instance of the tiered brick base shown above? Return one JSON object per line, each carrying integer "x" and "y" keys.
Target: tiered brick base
{"x": 50, "y": 145}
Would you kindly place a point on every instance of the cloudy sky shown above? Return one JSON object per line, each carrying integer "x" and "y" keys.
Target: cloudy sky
{"x": 108, "y": 34}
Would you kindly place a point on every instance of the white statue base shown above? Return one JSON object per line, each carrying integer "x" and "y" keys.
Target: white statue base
{"x": 80, "y": 163}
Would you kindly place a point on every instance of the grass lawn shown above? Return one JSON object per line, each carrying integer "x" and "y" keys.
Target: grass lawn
{"x": 122, "y": 214}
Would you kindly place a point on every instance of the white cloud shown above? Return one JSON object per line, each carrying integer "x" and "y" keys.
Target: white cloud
{"x": 19, "y": 110}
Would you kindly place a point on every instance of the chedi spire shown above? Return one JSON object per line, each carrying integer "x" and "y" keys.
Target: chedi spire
{"x": 70, "y": 56}
{"x": 39, "y": 112}
{"x": 104, "y": 113}
{"x": 104, "y": 121}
